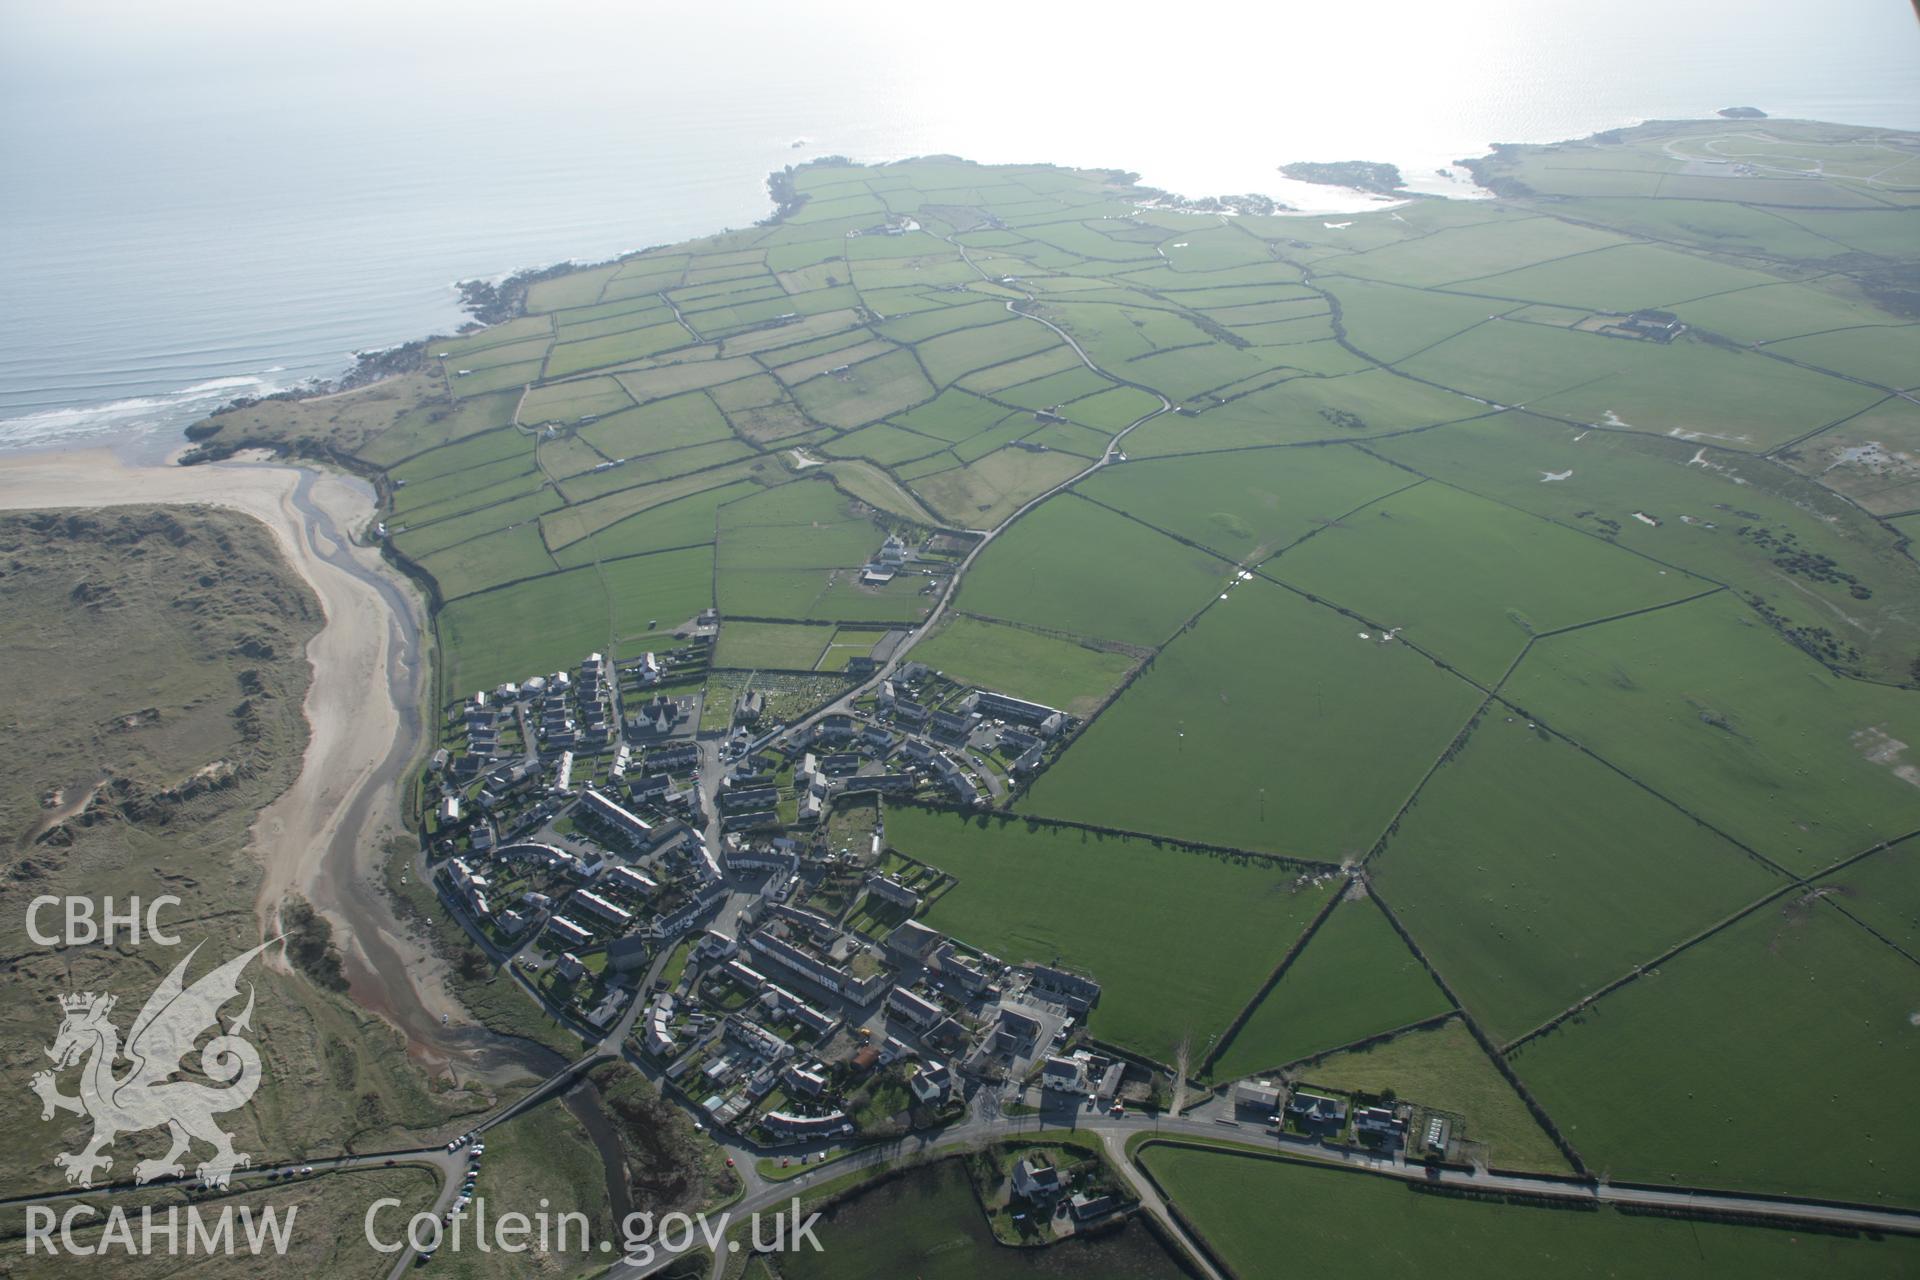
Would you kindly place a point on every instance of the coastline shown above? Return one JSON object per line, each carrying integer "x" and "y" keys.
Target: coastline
{"x": 321, "y": 836}
{"x": 486, "y": 299}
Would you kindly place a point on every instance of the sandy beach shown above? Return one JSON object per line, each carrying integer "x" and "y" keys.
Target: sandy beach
{"x": 320, "y": 838}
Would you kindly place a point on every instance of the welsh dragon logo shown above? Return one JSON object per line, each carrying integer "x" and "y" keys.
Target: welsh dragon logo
{"x": 148, "y": 1096}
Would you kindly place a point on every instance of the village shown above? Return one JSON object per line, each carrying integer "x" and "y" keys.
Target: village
{"x": 697, "y": 902}
{"x": 681, "y": 893}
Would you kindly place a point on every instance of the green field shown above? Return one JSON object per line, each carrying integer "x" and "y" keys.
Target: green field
{"x": 1131, "y": 905}
{"x": 1699, "y": 1073}
{"x": 563, "y": 528}
{"x": 1884, "y": 891}
{"x": 775, "y": 645}
{"x": 1246, "y": 505}
{"x": 1839, "y": 580}
{"x": 1531, "y": 874}
{"x": 1592, "y": 379}
{"x": 1355, "y": 978}
{"x": 987, "y": 491}
{"x": 1072, "y": 566}
{"x": 1241, "y": 728}
{"x": 821, "y": 595}
{"x": 1472, "y": 581}
{"x": 1061, "y": 673}
{"x": 489, "y": 561}
{"x": 1704, "y": 703}
{"x": 606, "y": 609}
{"x": 1445, "y": 1068}
{"x": 1297, "y": 409}
{"x": 1500, "y": 242}
{"x": 805, "y": 525}
{"x": 682, "y": 523}
{"x": 1619, "y": 279}
{"x": 1232, "y": 1197}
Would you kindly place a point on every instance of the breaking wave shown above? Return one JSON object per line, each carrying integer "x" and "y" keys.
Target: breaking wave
{"x": 166, "y": 410}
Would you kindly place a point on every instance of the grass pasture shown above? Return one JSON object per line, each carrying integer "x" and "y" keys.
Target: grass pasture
{"x": 1687, "y": 389}
{"x": 1245, "y": 505}
{"x": 566, "y": 402}
{"x": 1813, "y": 558}
{"x": 1471, "y": 580}
{"x": 1355, "y": 978}
{"x": 1178, "y": 941}
{"x": 1531, "y": 875}
{"x": 804, "y": 525}
{"x": 489, "y": 560}
{"x": 1300, "y": 409}
{"x": 511, "y": 511}
{"x": 682, "y": 523}
{"x": 820, "y": 595}
{"x": 954, "y": 415}
{"x": 1072, "y": 566}
{"x": 1884, "y": 891}
{"x": 1697, "y": 1073}
{"x": 482, "y": 643}
{"x": 490, "y": 448}
{"x": 1231, "y": 1198}
{"x": 1391, "y": 322}
{"x": 1706, "y": 704}
{"x": 1772, "y": 312}
{"x": 987, "y": 490}
{"x": 581, "y": 489}
{"x": 423, "y": 426}
{"x": 649, "y": 596}
{"x": 1886, "y": 354}
{"x": 951, "y": 355}
{"x": 867, "y": 392}
{"x": 676, "y": 423}
{"x": 778, "y": 646}
{"x": 1240, "y": 729}
{"x": 1500, "y": 243}
{"x": 1044, "y": 668}
{"x": 583, "y": 519}
{"x": 1075, "y": 383}
{"x": 1627, "y": 277}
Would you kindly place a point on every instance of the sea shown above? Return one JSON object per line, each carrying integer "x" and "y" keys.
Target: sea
{"x": 205, "y": 200}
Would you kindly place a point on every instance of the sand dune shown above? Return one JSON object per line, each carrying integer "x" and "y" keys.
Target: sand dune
{"x": 361, "y": 678}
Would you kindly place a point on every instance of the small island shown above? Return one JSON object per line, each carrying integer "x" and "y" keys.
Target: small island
{"x": 1361, "y": 175}
{"x": 1743, "y": 113}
